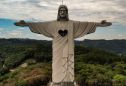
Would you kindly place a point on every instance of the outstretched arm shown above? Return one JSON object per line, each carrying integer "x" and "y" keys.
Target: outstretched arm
{"x": 37, "y": 27}
{"x": 104, "y": 23}
{"x": 21, "y": 23}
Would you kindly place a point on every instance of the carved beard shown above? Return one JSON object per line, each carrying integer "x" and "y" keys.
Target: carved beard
{"x": 65, "y": 18}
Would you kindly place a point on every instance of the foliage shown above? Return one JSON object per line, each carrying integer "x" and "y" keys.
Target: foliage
{"x": 120, "y": 79}
{"x": 32, "y": 75}
{"x": 21, "y": 83}
{"x": 120, "y": 68}
{"x": 93, "y": 67}
{"x": 95, "y": 74}
{"x": 14, "y": 60}
{"x": 95, "y": 56}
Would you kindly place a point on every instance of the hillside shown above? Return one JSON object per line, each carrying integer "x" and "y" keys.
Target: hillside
{"x": 25, "y": 62}
{"x": 115, "y": 46}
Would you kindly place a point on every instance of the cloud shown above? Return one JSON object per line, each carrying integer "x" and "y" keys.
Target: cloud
{"x": 15, "y": 33}
{"x": 1, "y": 29}
{"x": 83, "y": 10}
{"x": 120, "y": 35}
{"x": 14, "y": 0}
{"x": 18, "y": 33}
{"x": 22, "y": 28}
{"x": 21, "y": 33}
{"x": 104, "y": 36}
{"x": 112, "y": 10}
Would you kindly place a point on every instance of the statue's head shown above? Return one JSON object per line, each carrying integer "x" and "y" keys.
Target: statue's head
{"x": 62, "y": 13}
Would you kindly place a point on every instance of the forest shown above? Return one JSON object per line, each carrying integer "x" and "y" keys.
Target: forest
{"x": 27, "y": 62}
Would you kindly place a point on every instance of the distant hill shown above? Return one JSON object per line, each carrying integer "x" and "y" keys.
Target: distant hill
{"x": 115, "y": 46}
{"x": 15, "y": 41}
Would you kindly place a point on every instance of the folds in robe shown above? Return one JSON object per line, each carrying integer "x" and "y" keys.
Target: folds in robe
{"x": 41, "y": 28}
{"x": 63, "y": 47}
{"x": 83, "y": 28}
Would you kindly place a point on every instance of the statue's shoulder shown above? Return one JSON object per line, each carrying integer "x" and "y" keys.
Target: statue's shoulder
{"x": 52, "y": 21}
{"x": 74, "y": 21}
{"x": 48, "y": 22}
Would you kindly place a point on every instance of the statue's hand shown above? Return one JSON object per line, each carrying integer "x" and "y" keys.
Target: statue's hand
{"x": 105, "y": 23}
{"x": 21, "y": 23}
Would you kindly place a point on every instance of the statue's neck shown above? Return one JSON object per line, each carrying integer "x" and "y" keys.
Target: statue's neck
{"x": 63, "y": 19}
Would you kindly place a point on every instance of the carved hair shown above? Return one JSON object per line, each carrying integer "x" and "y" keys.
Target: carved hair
{"x": 58, "y": 16}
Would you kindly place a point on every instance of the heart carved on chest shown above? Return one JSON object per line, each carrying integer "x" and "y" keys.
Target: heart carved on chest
{"x": 63, "y": 32}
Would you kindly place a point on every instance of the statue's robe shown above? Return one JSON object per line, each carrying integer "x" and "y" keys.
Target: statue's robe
{"x": 63, "y": 47}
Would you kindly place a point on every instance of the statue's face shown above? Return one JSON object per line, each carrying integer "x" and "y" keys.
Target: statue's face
{"x": 62, "y": 12}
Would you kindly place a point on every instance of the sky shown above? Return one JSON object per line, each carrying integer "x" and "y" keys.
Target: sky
{"x": 46, "y": 10}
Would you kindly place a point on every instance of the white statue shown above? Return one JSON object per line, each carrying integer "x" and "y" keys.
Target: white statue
{"x": 63, "y": 32}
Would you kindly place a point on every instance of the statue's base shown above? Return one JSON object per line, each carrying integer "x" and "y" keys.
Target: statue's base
{"x": 63, "y": 84}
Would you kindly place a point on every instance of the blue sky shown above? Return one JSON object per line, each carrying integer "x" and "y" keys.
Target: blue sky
{"x": 45, "y": 10}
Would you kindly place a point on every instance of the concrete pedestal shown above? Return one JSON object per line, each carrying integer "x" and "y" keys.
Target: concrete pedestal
{"x": 63, "y": 84}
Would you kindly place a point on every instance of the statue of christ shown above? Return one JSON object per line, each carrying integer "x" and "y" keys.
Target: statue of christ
{"x": 63, "y": 32}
